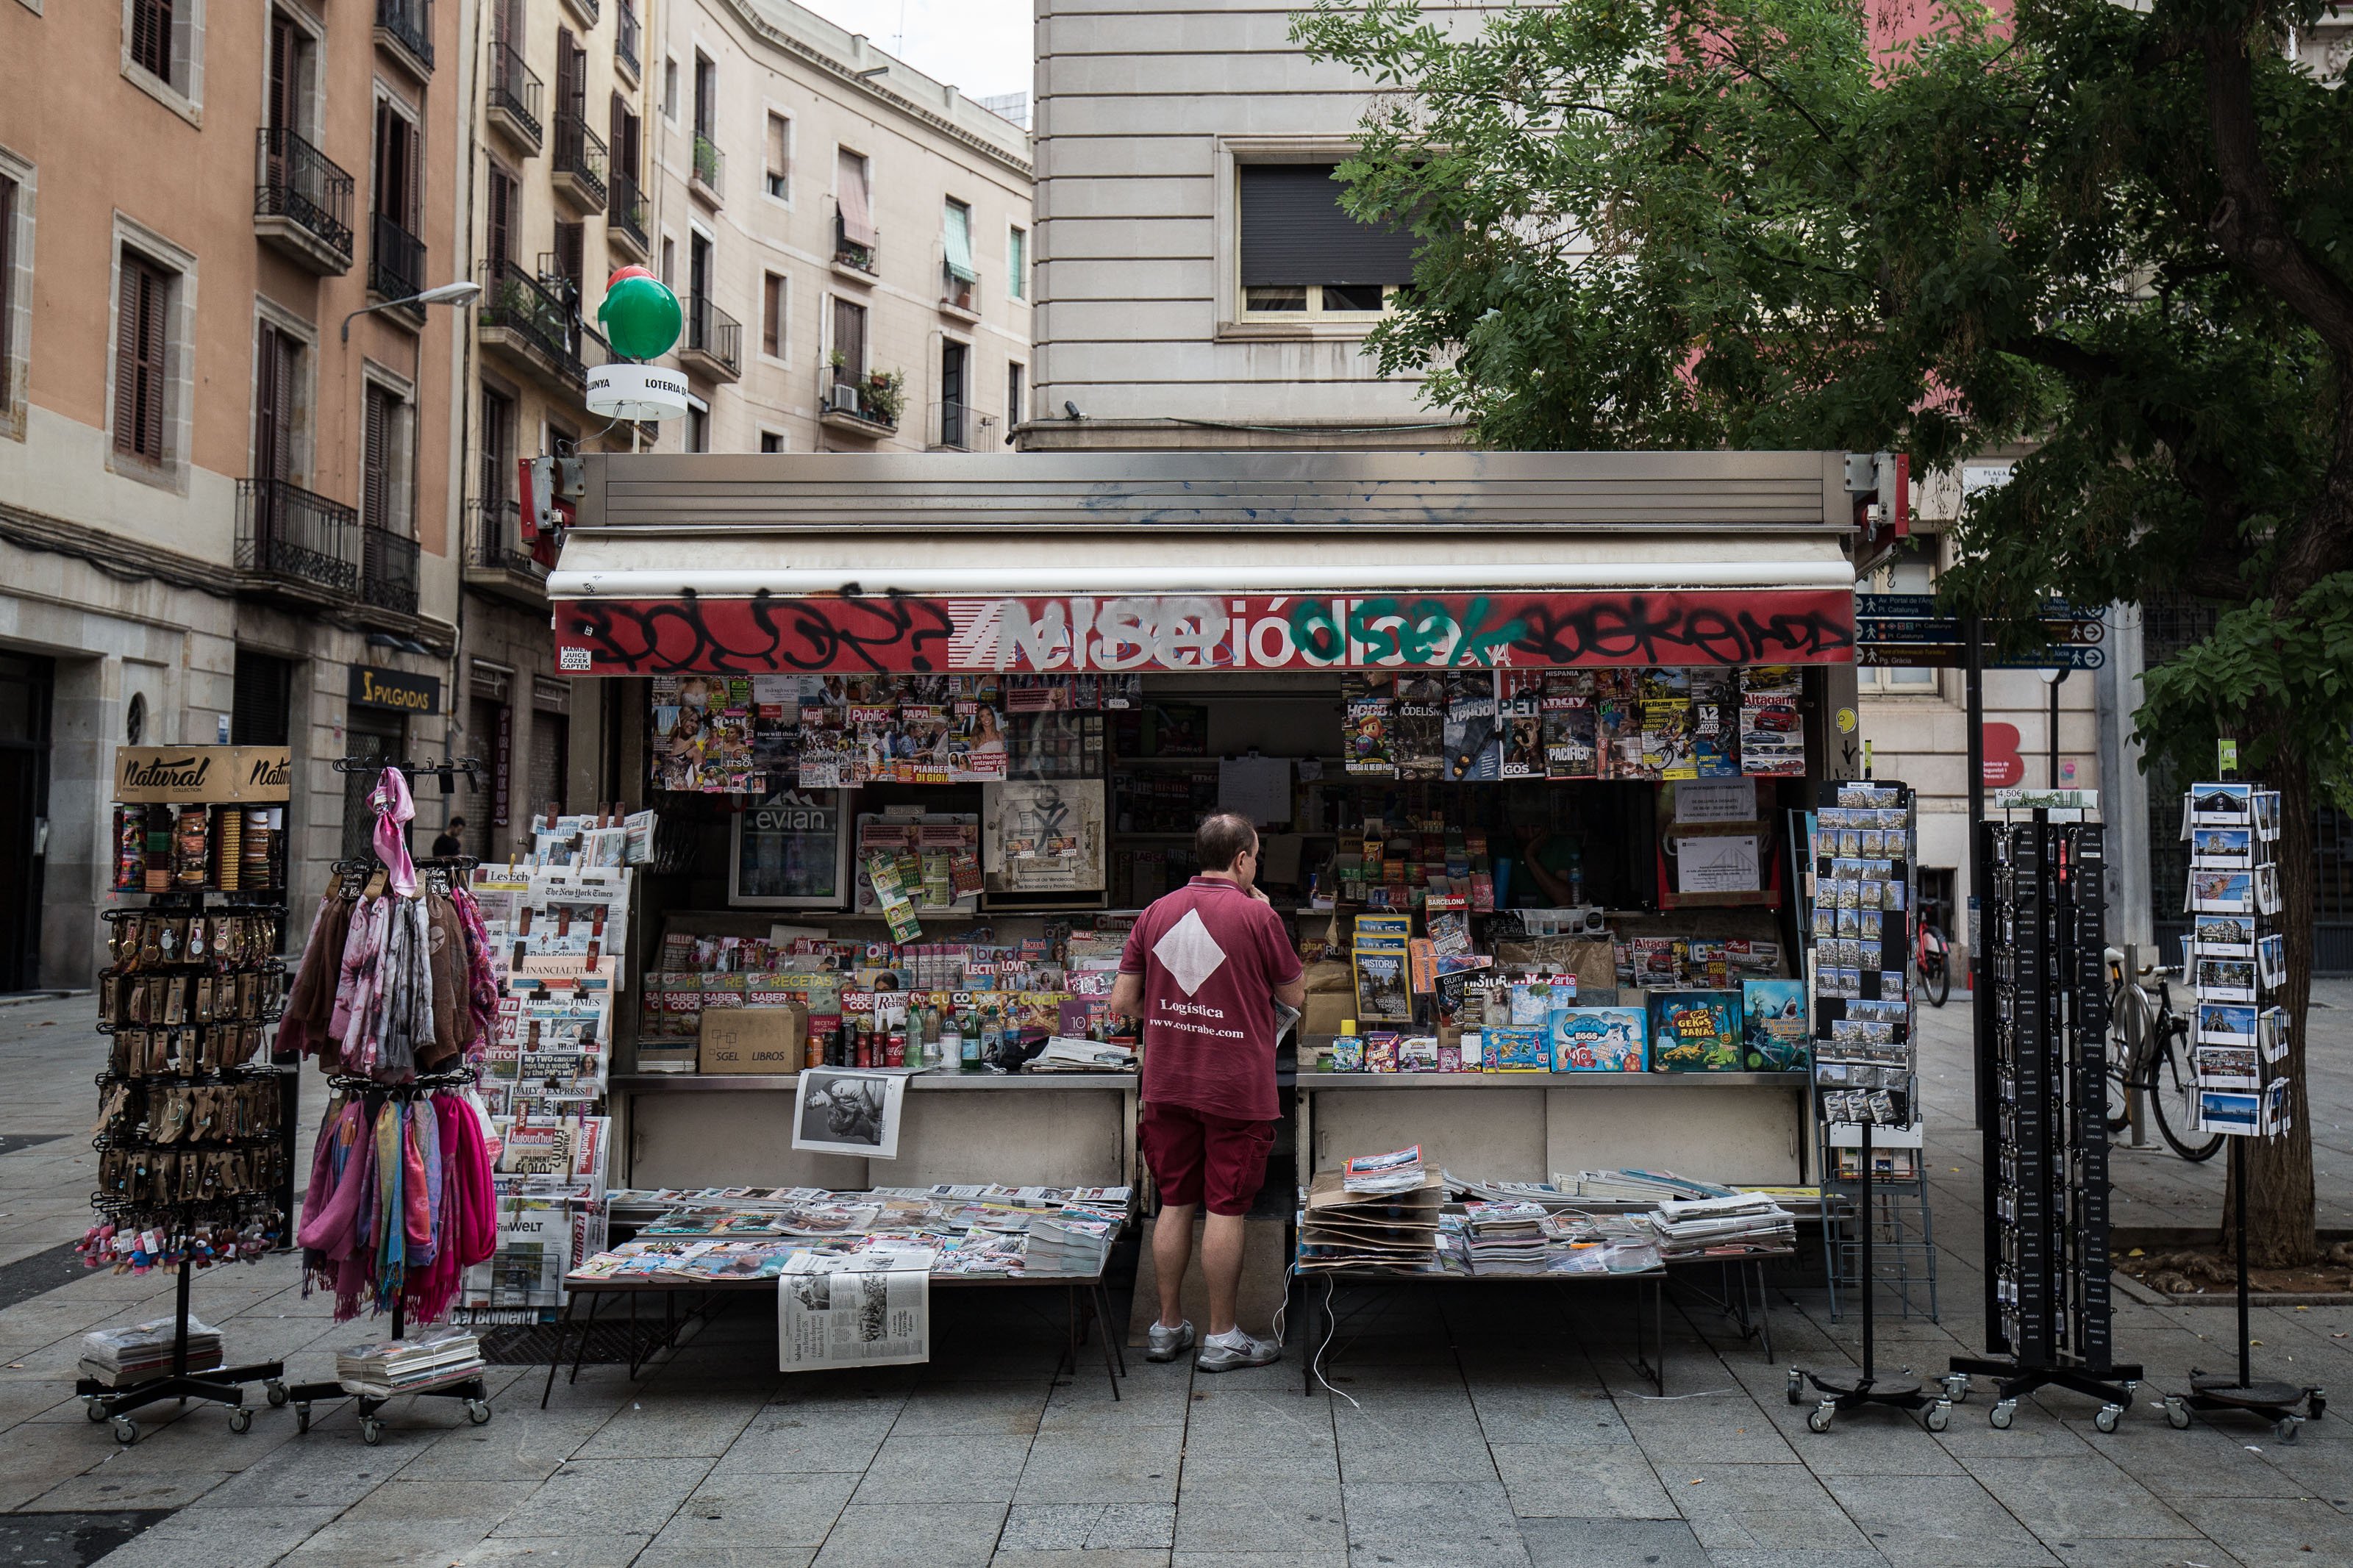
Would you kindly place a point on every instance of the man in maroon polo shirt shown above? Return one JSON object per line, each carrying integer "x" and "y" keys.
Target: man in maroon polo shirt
{"x": 1203, "y": 969}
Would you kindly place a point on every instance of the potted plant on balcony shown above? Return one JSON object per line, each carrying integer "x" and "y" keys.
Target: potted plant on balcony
{"x": 884, "y": 394}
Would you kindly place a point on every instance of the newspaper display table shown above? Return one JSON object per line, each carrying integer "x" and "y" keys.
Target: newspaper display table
{"x": 1086, "y": 1297}
{"x": 1650, "y": 1288}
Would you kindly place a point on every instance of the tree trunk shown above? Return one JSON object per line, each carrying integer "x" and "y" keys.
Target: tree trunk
{"x": 2280, "y": 1209}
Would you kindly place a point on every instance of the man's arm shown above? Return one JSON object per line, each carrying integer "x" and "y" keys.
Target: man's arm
{"x": 1128, "y": 996}
{"x": 1291, "y": 994}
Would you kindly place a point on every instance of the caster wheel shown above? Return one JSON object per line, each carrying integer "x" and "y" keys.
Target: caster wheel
{"x": 1956, "y": 1386}
{"x": 93, "y": 1406}
{"x": 302, "y": 1417}
{"x": 1819, "y": 1418}
{"x": 126, "y": 1430}
{"x": 1940, "y": 1415}
{"x": 240, "y": 1420}
{"x": 2176, "y": 1414}
{"x": 2285, "y": 1430}
{"x": 2132, "y": 1385}
{"x": 478, "y": 1411}
{"x": 2000, "y": 1415}
{"x": 2106, "y": 1419}
{"x": 371, "y": 1431}
{"x": 277, "y": 1392}
{"x": 1796, "y": 1388}
{"x": 2316, "y": 1404}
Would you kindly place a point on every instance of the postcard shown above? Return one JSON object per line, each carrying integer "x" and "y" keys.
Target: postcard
{"x": 2219, "y": 892}
{"x": 2225, "y": 1024}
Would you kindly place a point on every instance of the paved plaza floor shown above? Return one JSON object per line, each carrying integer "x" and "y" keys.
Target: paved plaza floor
{"x": 1491, "y": 1425}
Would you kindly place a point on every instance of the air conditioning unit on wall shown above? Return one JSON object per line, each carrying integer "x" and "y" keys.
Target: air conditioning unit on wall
{"x": 841, "y": 398}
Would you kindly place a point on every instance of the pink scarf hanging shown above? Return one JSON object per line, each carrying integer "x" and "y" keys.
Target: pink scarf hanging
{"x": 394, "y": 812}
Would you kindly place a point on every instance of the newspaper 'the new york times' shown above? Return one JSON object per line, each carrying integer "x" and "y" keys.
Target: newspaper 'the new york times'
{"x": 864, "y": 1309}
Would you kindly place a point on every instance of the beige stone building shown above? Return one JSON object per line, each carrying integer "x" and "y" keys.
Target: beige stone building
{"x": 851, "y": 240}
{"x": 222, "y": 497}
{"x": 552, "y": 199}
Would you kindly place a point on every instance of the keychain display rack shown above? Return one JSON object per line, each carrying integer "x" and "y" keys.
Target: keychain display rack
{"x": 2047, "y": 1307}
{"x": 1866, "y": 1058}
{"x": 2236, "y": 959}
{"x": 192, "y": 1160}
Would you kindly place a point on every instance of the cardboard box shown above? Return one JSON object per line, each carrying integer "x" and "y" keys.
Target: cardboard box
{"x": 753, "y": 1040}
{"x": 1325, "y": 1012}
{"x": 164, "y": 775}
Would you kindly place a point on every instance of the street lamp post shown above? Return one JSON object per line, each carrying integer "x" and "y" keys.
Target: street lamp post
{"x": 447, "y": 294}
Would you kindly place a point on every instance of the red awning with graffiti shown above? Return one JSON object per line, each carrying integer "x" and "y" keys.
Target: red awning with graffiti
{"x": 696, "y": 634}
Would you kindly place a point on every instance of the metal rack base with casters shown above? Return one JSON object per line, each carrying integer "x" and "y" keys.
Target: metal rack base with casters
{"x": 2114, "y": 1389}
{"x": 2274, "y": 1402}
{"x": 470, "y": 1387}
{"x": 1840, "y": 1390}
{"x": 221, "y": 1386}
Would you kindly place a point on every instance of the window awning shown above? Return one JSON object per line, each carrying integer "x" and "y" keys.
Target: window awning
{"x": 958, "y": 231}
{"x": 850, "y": 191}
{"x": 744, "y": 565}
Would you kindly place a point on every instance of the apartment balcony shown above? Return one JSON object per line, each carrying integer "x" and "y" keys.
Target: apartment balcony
{"x": 301, "y": 203}
{"x": 404, "y": 29}
{"x": 709, "y": 170}
{"x": 857, "y": 405}
{"x": 395, "y": 266}
{"x": 714, "y": 342}
{"x": 292, "y": 544}
{"x": 532, "y": 325}
{"x": 579, "y": 163}
{"x": 514, "y": 100}
{"x": 961, "y": 426}
{"x": 625, "y": 216}
{"x": 498, "y": 562}
{"x": 626, "y": 31}
{"x": 959, "y": 296}
{"x": 387, "y": 569}
{"x": 861, "y": 263}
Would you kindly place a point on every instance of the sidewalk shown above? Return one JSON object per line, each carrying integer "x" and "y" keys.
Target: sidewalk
{"x": 1490, "y": 1425}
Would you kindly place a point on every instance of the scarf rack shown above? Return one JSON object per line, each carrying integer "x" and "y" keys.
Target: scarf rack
{"x": 470, "y": 1388}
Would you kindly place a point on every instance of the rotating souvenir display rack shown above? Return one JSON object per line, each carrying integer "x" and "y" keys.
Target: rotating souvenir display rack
{"x": 2236, "y": 958}
{"x": 194, "y": 1165}
{"x": 2046, "y": 1145}
{"x": 445, "y": 769}
{"x": 1866, "y": 1066}
{"x": 466, "y": 1382}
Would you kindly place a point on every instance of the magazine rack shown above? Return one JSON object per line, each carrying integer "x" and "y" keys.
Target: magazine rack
{"x": 1865, "y": 1072}
{"x": 2046, "y": 1146}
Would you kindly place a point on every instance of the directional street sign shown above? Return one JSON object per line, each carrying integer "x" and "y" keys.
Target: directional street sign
{"x": 1949, "y": 656}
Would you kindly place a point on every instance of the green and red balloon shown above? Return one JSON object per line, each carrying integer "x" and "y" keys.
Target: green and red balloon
{"x": 641, "y": 315}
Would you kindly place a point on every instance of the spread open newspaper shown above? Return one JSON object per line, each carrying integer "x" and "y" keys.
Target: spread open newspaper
{"x": 866, "y": 1310}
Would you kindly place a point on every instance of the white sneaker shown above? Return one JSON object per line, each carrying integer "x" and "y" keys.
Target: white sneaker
{"x": 1163, "y": 1343}
{"x": 1232, "y": 1351}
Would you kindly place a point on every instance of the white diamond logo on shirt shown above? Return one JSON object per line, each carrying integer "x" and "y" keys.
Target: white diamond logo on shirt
{"x": 1190, "y": 952}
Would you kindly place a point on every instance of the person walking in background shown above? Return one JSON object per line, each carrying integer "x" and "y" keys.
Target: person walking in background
{"x": 451, "y": 840}
{"x": 1203, "y": 969}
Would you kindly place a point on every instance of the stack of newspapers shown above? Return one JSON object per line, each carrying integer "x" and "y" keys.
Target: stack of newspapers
{"x": 1730, "y": 1226}
{"x": 1507, "y": 1237}
{"x": 1069, "y": 1243}
{"x": 401, "y": 1366}
{"x": 121, "y": 1357}
{"x": 1379, "y": 1212}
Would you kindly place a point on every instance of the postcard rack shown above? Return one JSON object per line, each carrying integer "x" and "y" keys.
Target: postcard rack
{"x": 1865, "y": 1063}
{"x": 2046, "y": 1145}
{"x": 2236, "y": 959}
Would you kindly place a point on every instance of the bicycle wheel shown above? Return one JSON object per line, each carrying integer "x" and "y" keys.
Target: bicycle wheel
{"x": 2171, "y": 1099}
{"x": 2120, "y": 1060}
{"x": 1936, "y": 976}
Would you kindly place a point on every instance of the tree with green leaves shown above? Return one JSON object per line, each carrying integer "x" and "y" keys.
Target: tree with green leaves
{"x": 2121, "y": 236}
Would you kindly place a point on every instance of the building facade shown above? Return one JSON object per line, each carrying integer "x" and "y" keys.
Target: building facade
{"x": 851, "y": 240}
{"x": 1198, "y": 285}
{"x": 552, "y": 198}
{"x": 220, "y": 502}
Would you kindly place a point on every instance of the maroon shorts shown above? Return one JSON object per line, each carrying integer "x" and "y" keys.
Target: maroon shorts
{"x": 1194, "y": 1156}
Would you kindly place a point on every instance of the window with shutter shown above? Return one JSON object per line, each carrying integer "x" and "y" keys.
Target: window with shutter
{"x": 276, "y": 391}
{"x": 375, "y": 457}
{"x": 150, "y": 39}
{"x": 570, "y": 254}
{"x": 849, "y": 340}
{"x": 503, "y": 193}
{"x": 282, "y": 107}
{"x": 498, "y": 446}
{"x": 780, "y": 158}
{"x": 263, "y": 703}
{"x": 7, "y": 292}
{"x": 139, "y": 358}
{"x": 772, "y": 316}
{"x": 1016, "y": 264}
{"x": 1303, "y": 254}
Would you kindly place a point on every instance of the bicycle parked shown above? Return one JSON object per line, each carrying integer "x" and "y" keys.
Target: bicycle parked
{"x": 2159, "y": 1066}
{"x": 1932, "y": 955}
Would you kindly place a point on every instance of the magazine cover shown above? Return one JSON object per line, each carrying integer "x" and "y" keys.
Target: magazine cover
{"x": 1599, "y": 1040}
{"x": 1366, "y": 740}
{"x": 1474, "y": 746}
{"x": 1381, "y": 986}
{"x": 1618, "y": 720}
{"x": 1772, "y": 731}
{"x": 1570, "y": 748}
{"x": 1695, "y": 1031}
{"x": 1418, "y": 732}
{"x": 1774, "y": 1030}
{"x": 1714, "y": 724}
